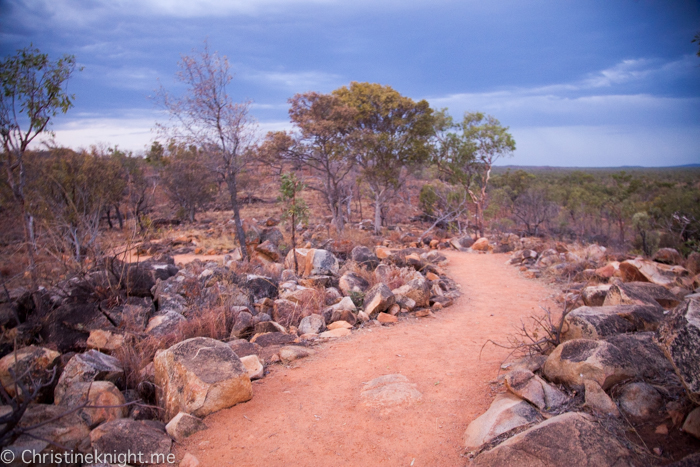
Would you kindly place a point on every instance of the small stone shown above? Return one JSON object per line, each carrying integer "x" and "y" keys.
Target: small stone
{"x": 189, "y": 461}
{"x": 424, "y": 314}
{"x": 340, "y": 332}
{"x": 692, "y": 423}
{"x": 386, "y": 318}
{"x": 292, "y": 352}
{"x": 183, "y": 426}
{"x": 312, "y": 324}
{"x": 394, "y": 310}
{"x": 339, "y": 325}
{"x": 253, "y": 366}
{"x": 432, "y": 277}
{"x": 661, "y": 429}
{"x": 104, "y": 340}
{"x": 641, "y": 401}
{"x": 437, "y": 306}
{"x": 598, "y": 400}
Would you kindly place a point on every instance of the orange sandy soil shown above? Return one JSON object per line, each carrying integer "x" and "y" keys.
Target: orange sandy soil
{"x": 309, "y": 414}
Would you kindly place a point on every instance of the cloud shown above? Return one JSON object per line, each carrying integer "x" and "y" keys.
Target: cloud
{"x": 301, "y": 81}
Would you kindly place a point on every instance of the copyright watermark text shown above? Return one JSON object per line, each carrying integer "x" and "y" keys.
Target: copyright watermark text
{"x": 121, "y": 459}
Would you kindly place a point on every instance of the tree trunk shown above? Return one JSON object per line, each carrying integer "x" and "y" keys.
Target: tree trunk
{"x": 240, "y": 234}
{"x": 120, "y": 219}
{"x": 31, "y": 242}
{"x": 378, "y": 211}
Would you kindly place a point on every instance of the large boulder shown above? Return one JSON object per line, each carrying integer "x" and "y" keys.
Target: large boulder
{"x": 482, "y": 244}
{"x": 33, "y": 362}
{"x": 301, "y": 255}
{"x": 640, "y": 401}
{"x": 506, "y": 412}
{"x": 260, "y": 287}
{"x": 146, "y": 440}
{"x": 573, "y": 439}
{"x": 679, "y": 337}
{"x": 641, "y": 270}
{"x": 164, "y": 324}
{"x": 640, "y": 293}
{"x": 312, "y": 324}
{"x": 644, "y": 356}
{"x": 86, "y": 368}
{"x": 579, "y": 359}
{"x": 200, "y": 376}
{"x": 378, "y": 299}
{"x": 601, "y": 321}
{"x": 668, "y": 256}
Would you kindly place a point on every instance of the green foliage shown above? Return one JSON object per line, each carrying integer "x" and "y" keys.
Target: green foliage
{"x": 294, "y": 208}
{"x": 358, "y": 298}
{"x": 187, "y": 180}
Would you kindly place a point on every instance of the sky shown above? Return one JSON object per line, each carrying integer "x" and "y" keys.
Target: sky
{"x": 582, "y": 83}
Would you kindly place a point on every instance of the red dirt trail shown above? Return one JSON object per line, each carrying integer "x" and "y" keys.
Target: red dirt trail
{"x": 309, "y": 414}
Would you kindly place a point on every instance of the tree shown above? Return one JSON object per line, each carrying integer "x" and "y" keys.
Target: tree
{"x": 322, "y": 143}
{"x": 33, "y": 92}
{"x": 392, "y": 133}
{"x": 533, "y": 208}
{"x": 468, "y": 158}
{"x": 187, "y": 181}
{"x": 207, "y": 117}
{"x": 294, "y": 208}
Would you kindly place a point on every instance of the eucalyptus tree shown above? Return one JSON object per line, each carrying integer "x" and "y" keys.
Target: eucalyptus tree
{"x": 34, "y": 90}
{"x": 391, "y": 137}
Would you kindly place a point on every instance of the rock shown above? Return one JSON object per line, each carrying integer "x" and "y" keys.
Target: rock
{"x": 86, "y": 368}
{"x": 183, "y": 426}
{"x": 573, "y": 439}
{"x": 640, "y": 270}
{"x": 200, "y": 376}
{"x": 164, "y": 324}
{"x": 692, "y": 263}
{"x": 506, "y": 412}
{"x": 692, "y": 423}
{"x": 679, "y": 337}
{"x": 188, "y": 460}
{"x": 287, "y": 312}
{"x": 668, "y": 256}
{"x": 301, "y": 254}
{"x": 595, "y": 253}
{"x": 253, "y": 366}
{"x": 482, "y": 244}
{"x": 269, "y": 339}
{"x": 406, "y": 303}
{"x": 640, "y": 293}
{"x": 364, "y": 257}
{"x": 272, "y": 235}
{"x": 601, "y": 321}
{"x": 432, "y": 277}
{"x": 377, "y": 299}
{"x": 243, "y": 348}
{"x": 269, "y": 249}
{"x": 598, "y": 400}
{"x": 643, "y": 356}
{"x": 346, "y": 304}
{"x": 339, "y": 325}
{"x": 68, "y": 430}
{"x": 104, "y": 340}
{"x": 342, "y": 315}
{"x": 267, "y": 326}
{"x": 640, "y": 401}
{"x": 389, "y": 391}
{"x": 97, "y": 393}
{"x": 351, "y": 282}
{"x": 417, "y": 290}
{"x": 691, "y": 460}
{"x": 261, "y": 287}
{"x": 579, "y": 359}
{"x": 332, "y": 296}
{"x": 531, "y": 363}
{"x": 595, "y": 295}
{"x": 38, "y": 359}
{"x": 144, "y": 438}
{"x": 382, "y": 252}
{"x": 332, "y": 334}
{"x": 321, "y": 262}
{"x": 386, "y": 318}
{"x": 243, "y": 327}
{"x": 312, "y": 324}
{"x": 316, "y": 281}
{"x": 292, "y": 352}
{"x": 532, "y": 388}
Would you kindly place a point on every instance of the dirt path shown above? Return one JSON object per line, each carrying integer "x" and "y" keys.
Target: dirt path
{"x": 309, "y": 415}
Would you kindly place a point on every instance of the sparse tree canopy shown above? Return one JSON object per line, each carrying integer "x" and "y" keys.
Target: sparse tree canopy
{"x": 208, "y": 117}
{"x": 392, "y": 137}
{"x": 33, "y": 92}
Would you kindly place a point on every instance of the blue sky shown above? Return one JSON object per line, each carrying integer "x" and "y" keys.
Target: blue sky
{"x": 579, "y": 83}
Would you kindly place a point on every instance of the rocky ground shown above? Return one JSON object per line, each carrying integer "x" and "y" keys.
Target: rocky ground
{"x": 142, "y": 356}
